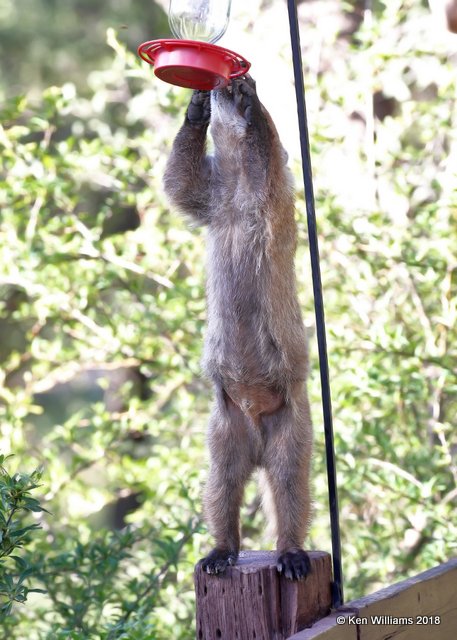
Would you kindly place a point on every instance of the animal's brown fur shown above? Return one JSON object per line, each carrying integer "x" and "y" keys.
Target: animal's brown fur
{"x": 255, "y": 349}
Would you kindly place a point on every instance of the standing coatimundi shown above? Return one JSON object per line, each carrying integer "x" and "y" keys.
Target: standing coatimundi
{"x": 255, "y": 349}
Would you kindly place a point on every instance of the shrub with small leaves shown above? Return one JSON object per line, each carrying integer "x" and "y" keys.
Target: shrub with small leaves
{"x": 16, "y": 503}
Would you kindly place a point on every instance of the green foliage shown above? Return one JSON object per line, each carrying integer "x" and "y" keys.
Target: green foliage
{"x": 47, "y": 42}
{"x": 101, "y": 320}
{"x": 15, "y": 502}
{"x": 94, "y": 591}
{"x": 389, "y": 259}
{"x": 100, "y": 360}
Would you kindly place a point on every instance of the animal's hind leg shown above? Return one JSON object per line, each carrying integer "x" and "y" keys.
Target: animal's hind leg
{"x": 287, "y": 463}
{"x": 231, "y": 466}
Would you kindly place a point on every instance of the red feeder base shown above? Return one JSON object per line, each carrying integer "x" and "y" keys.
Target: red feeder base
{"x": 193, "y": 64}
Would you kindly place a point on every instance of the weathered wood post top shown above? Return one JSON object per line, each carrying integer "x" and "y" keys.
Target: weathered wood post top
{"x": 252, "y": 601}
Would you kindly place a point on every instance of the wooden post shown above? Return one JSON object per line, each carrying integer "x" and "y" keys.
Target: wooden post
{"x": 251, "y": 601}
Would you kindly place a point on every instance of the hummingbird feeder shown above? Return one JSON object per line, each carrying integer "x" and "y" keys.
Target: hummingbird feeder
{"x": 192, "y": 60}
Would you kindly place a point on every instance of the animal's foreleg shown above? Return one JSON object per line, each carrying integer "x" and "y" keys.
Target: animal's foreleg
{"x": 187, "y": 178}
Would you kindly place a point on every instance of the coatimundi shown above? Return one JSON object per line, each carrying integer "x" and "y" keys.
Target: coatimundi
{"x": 255, "y": 348}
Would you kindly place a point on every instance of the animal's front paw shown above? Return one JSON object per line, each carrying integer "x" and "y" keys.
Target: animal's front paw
{"x": 295, "y": 565}
{"x": 218, "y": 561}
{"x": 199, "y": 109}
{"x": 246, "y": 100}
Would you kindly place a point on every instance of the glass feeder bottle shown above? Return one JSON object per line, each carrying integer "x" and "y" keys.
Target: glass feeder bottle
{"x": 205, "y": 20}
{"x": 191, "y": 59}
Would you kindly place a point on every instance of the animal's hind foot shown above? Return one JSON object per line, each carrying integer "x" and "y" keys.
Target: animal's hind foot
{"x": 294, "y": 565}
{"x": 218, "y": 560}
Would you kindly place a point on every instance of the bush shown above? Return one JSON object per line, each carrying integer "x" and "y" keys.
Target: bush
{"x": 15, "y": 503}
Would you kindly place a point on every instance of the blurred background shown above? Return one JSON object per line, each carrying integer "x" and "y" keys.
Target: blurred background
{"x": 102, "y": 304}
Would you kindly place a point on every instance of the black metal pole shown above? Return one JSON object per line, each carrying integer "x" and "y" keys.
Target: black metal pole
{"x": 337, "y": 595}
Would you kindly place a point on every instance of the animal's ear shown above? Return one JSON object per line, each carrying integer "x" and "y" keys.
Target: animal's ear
{"x": 285, "y": 155}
